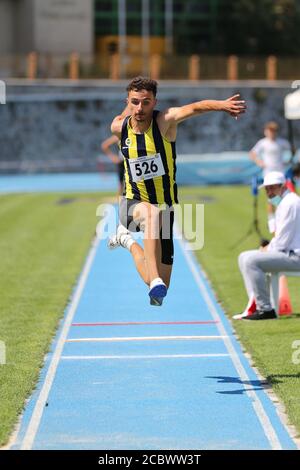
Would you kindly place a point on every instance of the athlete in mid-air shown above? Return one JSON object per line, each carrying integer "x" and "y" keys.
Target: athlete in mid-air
{"x": 147, "y": 142}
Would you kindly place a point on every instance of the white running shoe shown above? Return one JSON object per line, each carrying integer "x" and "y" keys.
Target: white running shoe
{"x": 122, "y": 238}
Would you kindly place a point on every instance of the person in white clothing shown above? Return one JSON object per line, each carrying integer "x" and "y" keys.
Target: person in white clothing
{"x": 268, "y": 154}
{"x": 282, "y": 253}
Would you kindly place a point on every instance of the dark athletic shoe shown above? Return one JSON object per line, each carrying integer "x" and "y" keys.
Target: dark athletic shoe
{"x": 157, "y": 301}
{"x": 262, "y": 315}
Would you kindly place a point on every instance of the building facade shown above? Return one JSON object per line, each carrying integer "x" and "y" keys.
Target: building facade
{"x": 46, "y": 26}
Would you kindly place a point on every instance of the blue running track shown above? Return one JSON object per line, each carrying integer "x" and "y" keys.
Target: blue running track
{"x": 125, "y": 375}
{"x": 65, "y": 182}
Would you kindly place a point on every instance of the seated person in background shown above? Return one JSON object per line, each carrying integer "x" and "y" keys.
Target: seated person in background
{"x": 282, "y": 253}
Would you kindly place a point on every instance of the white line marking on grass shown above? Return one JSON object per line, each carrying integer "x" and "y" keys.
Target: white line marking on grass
{"x": 156, "y": 356}
{"x": 42, "y": 399}
{"x": 257, "y": 405}
{"x": 143, "y": 338}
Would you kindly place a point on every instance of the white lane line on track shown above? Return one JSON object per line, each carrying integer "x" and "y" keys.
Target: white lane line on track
{"x": 154, "y": 356}
{"x": 144, "y": 338}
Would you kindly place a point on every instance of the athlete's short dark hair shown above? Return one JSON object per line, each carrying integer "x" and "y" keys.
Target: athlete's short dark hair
{"x": 142, "y": 83}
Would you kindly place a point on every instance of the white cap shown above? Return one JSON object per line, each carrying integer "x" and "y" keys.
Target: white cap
{"x": 274, "y": 177}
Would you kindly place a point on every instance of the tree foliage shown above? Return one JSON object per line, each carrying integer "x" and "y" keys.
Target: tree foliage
{"x": 238, "y": 26}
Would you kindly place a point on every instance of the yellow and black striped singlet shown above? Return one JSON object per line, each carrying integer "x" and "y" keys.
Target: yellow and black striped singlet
{"x": 158, "y": 190}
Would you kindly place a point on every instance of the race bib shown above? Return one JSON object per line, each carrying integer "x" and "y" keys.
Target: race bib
{"x": 145, "y": 168}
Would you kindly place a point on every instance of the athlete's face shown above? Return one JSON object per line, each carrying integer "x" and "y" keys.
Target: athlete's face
{"x": 142, "y": 104}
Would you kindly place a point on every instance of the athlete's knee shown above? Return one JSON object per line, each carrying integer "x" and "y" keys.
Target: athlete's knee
{"x": 149, "y": 220}
{"x": 142, "y": 212}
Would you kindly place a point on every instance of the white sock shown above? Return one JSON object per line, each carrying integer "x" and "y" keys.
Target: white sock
{"x": 129, "y": 243}
{"x": 156, "y": 282}
{"x": 125, "y": 237}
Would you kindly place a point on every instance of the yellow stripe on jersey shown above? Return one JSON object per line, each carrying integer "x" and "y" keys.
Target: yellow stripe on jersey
{"x": 170, "y": 161}
{"x": 128, "y": 187}
{"x": 133, "y": 153}
{"x": 157, "y": 181}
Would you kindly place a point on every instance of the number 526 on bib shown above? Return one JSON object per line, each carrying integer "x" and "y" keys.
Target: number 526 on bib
{"x": 148, "y": 167}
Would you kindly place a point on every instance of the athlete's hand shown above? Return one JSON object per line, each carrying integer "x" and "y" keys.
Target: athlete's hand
{"x": 234, "y": 106}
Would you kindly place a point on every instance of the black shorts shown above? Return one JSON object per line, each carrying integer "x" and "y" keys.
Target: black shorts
{"x": 166, "y": 231}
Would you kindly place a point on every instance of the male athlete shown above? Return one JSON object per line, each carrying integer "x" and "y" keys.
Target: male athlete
{"x": 147, "y": 141}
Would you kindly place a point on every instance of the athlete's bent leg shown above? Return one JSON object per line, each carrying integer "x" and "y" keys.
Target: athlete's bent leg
{"x": 165, "y": 270}
{"x": 165, "y": 261}
{"x": 147, "y": 216}
{"x": 138, "y": 255}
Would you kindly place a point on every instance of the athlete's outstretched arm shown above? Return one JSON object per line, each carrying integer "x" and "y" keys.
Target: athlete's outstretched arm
{"x": 170, "y": 118}
{"x": 233, "y": 106}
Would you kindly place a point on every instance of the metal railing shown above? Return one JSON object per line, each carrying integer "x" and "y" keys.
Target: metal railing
{"x": 165, "y": 67}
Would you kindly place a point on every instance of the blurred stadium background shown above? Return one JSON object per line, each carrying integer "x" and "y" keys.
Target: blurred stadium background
{"x": 66, "y": 65}
{"x": 219, "y": 39}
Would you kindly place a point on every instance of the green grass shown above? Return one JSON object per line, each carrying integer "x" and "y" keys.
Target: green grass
{"x": 228, "y": 216}
{"x": 43, "y": 245}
